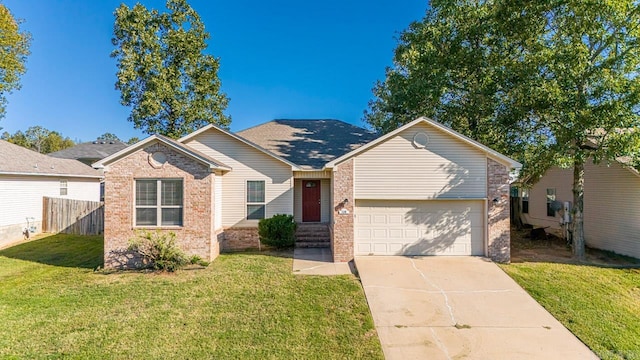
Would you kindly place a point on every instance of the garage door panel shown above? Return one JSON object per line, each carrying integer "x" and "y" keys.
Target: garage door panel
{"x": 432, "y": 227}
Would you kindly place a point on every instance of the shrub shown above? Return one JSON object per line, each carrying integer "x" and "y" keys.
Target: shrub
{"x": 159, "y": 251}
{"x": 278, "y": 231}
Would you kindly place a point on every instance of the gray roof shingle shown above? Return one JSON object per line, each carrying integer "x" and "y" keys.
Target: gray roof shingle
{"x": 15, "y": 159}
{"x": 308, "y": 143}
{"x": 90, "y": 151}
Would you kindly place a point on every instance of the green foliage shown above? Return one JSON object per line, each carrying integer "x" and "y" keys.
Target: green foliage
{"x": 14, "y": 45}
{"x": 551, "y": 83}
{"x": 164, "y": 75}
{"x": 108, "y": 137}
{"x": 159, "y": 251}
{"x": 39, "y": 139}
{"x": 278, "y": 231}
{"x": 133, "y": 140}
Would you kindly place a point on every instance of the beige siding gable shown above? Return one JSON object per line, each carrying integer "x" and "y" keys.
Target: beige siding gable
{"x": 396, "y": 169}
{"x": 247, "y": 163}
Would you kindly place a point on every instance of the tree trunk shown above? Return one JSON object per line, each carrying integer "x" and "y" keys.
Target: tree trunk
{"x": 577, "y": 225}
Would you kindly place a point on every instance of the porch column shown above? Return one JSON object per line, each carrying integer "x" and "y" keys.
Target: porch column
{"x": 342, "y": 234}
{"x": 499, "y": 228}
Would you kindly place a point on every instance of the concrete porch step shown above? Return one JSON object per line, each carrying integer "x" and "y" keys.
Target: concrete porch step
{"x": 312, "y": 244}
{"x": 312, "y": 236}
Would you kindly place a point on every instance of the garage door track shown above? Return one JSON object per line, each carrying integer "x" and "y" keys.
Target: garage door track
{"x": 459, "y": 307}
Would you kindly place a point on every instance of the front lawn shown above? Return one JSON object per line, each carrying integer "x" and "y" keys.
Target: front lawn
{"x": 53, "y": 304}
{"x": 601, "y": 306}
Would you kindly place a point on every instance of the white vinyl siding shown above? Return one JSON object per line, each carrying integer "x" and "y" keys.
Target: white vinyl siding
{"x": 612, "y": 209}
{"x": 431, "y": 227}
{"x": 554, "y": 178}
{"x": 396, "y": 169}
{"x": 611, "y": 206}
{"x": 247, "y": 163}
{"x": 21, "y": 197}
{"x": 325, "y": 200}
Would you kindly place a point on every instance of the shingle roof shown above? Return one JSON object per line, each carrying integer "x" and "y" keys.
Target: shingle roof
{"x": 15, "y": 159}
{"x": 308, "y": 143}
{"x": 94, "y": 150}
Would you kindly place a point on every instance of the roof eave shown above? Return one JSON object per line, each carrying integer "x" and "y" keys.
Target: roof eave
{"x": 239, "y": 138}
{"x": 141, "y": 144}
{"x": 505, "y": 160}
{"x": 50, "y": 175}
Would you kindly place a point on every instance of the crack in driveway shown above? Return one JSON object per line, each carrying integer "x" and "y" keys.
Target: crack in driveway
{"x": 440, "y": 290}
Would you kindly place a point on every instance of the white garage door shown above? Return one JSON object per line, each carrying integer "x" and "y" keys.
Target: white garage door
{"x": 430, "y": 227}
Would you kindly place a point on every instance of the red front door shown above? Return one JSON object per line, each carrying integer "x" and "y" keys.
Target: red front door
{"x": 310, "y": 200}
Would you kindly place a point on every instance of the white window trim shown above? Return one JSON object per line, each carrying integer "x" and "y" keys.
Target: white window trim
{"x": 547, "y": 202}
{"x": 524, "y": 198}
{"x": 158, "y": 205}
{"x": 247, "y": 203}
{"x": 64, "y": 185}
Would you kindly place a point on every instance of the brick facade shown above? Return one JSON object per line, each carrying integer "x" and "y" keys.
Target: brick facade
{"x": 194, "y": 237}
{"x": 241, "y": 238}
{"x": 499, "y": 239}
{"x": 342, "y": 230}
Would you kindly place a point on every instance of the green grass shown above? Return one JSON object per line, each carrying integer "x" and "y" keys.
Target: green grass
{"x": 53, "y": 305}
{"x": 601, "y": 306}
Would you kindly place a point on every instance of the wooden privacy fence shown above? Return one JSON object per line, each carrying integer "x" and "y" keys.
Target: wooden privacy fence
{"x": 69, "y": 216}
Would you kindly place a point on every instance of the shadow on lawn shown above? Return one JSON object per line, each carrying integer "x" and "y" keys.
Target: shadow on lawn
{"x": 60, "y": 250}
{"x": 555, "y": 250}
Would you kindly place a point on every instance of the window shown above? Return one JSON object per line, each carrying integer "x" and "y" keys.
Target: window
{"x": 551, "y": 197}
{"x": 158, "y": 202}
{"x": 255, "y": 200}
{"x": 63, "y": 187}
{"x": 525, "y": 201}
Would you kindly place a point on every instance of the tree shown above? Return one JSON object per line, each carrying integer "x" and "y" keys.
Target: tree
{"x": 551, "y": 83}
{"x": 133, "y": 140}
{"x": 108, "y": 137}
{"x": 451, "y": 67}
{"x": 39, "y": 139}
{"x": 171, "y": 85}
{"x": 14, "y": 49}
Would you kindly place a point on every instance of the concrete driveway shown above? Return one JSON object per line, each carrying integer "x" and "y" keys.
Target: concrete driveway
{"x": 459, "y": 307}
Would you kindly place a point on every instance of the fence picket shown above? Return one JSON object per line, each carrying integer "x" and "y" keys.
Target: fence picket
{"x": 70, "y": 216}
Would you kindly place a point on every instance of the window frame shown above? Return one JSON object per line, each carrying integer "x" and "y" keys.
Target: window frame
{"x": 248, "y": 203}
{"x": 525, "y": 201}
{"x": 550, "y": 198}
{"x": 64, "y": 187}
{"x": 158, "y": 206}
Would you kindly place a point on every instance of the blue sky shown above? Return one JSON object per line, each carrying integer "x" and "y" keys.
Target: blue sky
{"x": 279, "y": 59}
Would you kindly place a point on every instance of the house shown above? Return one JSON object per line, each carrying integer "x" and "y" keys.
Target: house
{"x": 90, "y": 152}
{"x": 422, "y": 189}
{"x": 611, "y": 205}
{"x": 27, "y": 176}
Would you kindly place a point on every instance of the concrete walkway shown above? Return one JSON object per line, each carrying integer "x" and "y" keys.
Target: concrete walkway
{"x": 459, "y": 307}
{"x": 317, "y": 261}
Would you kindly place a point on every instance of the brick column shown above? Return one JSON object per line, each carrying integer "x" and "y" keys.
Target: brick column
{"x": 342, "y": 233}
{"x": 499, "y": 237}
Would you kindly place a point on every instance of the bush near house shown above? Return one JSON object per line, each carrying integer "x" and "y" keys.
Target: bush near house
{"x": 278, "y": 231}
{"x": 159, "y": 251}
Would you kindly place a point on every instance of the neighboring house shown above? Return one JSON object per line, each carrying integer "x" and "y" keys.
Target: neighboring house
{"x": 422, "y": 189}
{"x": 90, "y": 152}
{"x": 27, "y": 176}
{"x": 611, "y": 205}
